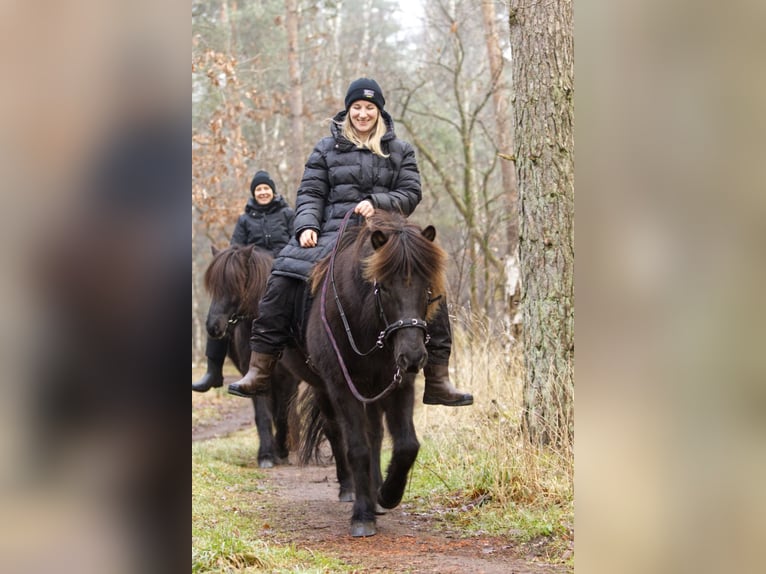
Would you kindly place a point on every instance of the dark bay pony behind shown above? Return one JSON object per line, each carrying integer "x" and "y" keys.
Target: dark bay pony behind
{"x": 365, "y": 337}
{"x": 236, "y": 280}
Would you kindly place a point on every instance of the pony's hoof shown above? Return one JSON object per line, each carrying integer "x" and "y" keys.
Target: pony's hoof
{"x": 346, "y": 496}
{"x": 362, "y": 528}
{"x": 266, "y": 463}
{"x": 379, "y": 510}
{"x": 388, "y": 503}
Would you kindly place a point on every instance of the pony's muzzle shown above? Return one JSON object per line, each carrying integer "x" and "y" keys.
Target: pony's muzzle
{"x": 412, "y": 360}
{"x": 213, "y": 331}
{"x": 218, "y": 327}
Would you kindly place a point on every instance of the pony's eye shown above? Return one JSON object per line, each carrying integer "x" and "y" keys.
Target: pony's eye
{"x": 430, "y": 299}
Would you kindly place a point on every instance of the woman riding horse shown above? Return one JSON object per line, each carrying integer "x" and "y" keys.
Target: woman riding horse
{"x": 267, "y": 223}
{"x": 362, "y": 166}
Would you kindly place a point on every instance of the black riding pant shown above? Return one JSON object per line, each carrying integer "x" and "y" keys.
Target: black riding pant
{"x": 279, "y": 313}
{"x": 217, "y": 349}
{"x": 440, "y": 344}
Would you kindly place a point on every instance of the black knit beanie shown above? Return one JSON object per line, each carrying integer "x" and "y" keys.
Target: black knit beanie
{"x": 262, "y": 177}
{"x": 365, "y": 89}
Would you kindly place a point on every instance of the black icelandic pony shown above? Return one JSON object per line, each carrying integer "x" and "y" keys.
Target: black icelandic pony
{"x": 365, "y": 337}
{"x": 236, "y": 280}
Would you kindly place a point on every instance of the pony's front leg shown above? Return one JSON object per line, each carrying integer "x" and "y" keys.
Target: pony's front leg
{"x": 375, "y": 433}
{"x": 342, "y": 472}
{"x": 405, "y": 444}
{"x": 284, "y": 388}
{"x": 360, "y": 459}
{"x": 264, "y": 422}
{"x": 335, "y": 437}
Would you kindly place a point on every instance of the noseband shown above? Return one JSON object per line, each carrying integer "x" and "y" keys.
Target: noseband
{"x": 235, "y": 318}
{"x": 390, "y": 328}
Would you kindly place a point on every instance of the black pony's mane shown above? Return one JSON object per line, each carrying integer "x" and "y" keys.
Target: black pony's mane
{"x": 239, "y": 271}
{"x": 405, "y": 253}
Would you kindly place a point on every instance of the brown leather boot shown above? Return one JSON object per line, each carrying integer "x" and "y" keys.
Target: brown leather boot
{"x": 257, "y": 381}
{"x": 439, "y": 390}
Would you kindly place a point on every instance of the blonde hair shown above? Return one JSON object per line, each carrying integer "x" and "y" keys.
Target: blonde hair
{"x": 373, "y": 140}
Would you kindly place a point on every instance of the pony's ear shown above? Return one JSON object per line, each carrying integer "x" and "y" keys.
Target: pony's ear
{"x": 215, "y": 250}
{"x": 429, "y": 233}
{"x": 378, "y": 239}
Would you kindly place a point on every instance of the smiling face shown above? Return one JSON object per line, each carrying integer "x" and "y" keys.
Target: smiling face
{"x": 263, "y": 193}
{"x": 364, "y": 115}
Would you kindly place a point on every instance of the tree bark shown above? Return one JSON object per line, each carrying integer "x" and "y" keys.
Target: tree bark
{"x": 507, "y": 167}
{"x": 198, "y": 331}
{"x": 296, "y": 99}
{"x": 543, "y": 77}
{"x": 504, "y": 134}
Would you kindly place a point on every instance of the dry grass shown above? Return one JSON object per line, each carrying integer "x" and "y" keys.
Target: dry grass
{"x": 477, "y": 457}
{"x": 475, "y": 467}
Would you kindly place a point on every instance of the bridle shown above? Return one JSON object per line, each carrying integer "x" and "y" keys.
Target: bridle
{"x": 389, "y": 329}
{"x": 231, "y": 322}
{"x": 234, "y": 318}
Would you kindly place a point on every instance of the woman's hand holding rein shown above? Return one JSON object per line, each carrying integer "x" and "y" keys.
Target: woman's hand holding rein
{"x": 364, "y": 208}
{"x": 308, "y": 238}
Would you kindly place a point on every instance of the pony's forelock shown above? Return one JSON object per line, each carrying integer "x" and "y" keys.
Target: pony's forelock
{"x": 239, "y": 270}
{"x": 406, "y": 252}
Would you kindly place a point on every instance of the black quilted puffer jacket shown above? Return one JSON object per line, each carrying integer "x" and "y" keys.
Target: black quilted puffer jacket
{"x": 269, "y": 227}
{"x": 338, "y": 175}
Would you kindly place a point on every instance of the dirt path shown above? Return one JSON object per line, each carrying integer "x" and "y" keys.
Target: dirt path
{"x": 300, "y": 507}
{"x": 230, "y": 416}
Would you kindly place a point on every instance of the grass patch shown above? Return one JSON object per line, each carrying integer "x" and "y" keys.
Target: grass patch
{"x": 475, "y": 472}
{"x": 476, "y": 493}
{"x": 227, "y": 519}
{"x": 207, "y": 407}
{"x": 210, "y": 406}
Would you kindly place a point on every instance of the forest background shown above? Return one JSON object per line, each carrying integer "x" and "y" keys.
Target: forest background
{"x": 266, "y": 79}
{"x": 670, "y": 147}
{"x": 267, "y": 76}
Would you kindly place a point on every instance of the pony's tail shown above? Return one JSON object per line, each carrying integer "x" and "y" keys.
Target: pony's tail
{"x": 312, "y": 427}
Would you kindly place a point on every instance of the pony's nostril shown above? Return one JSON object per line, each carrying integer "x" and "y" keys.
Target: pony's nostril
{"x": 409, "y": 363}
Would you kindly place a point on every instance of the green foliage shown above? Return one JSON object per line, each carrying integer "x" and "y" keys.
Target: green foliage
{"x": 474, "y": 475}
{"x": 475, "y": 472}
{"x": 478, "y": 491}
{"x": 225, "y": 536}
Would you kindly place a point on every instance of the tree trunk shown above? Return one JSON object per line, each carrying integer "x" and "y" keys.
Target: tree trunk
{"x": 507, "y": 168}
{"x": 198, "y": 331}
{"x": 504, "y": 135}
{"x": 543, "y": 75}
{"x": 296, "y": 100}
